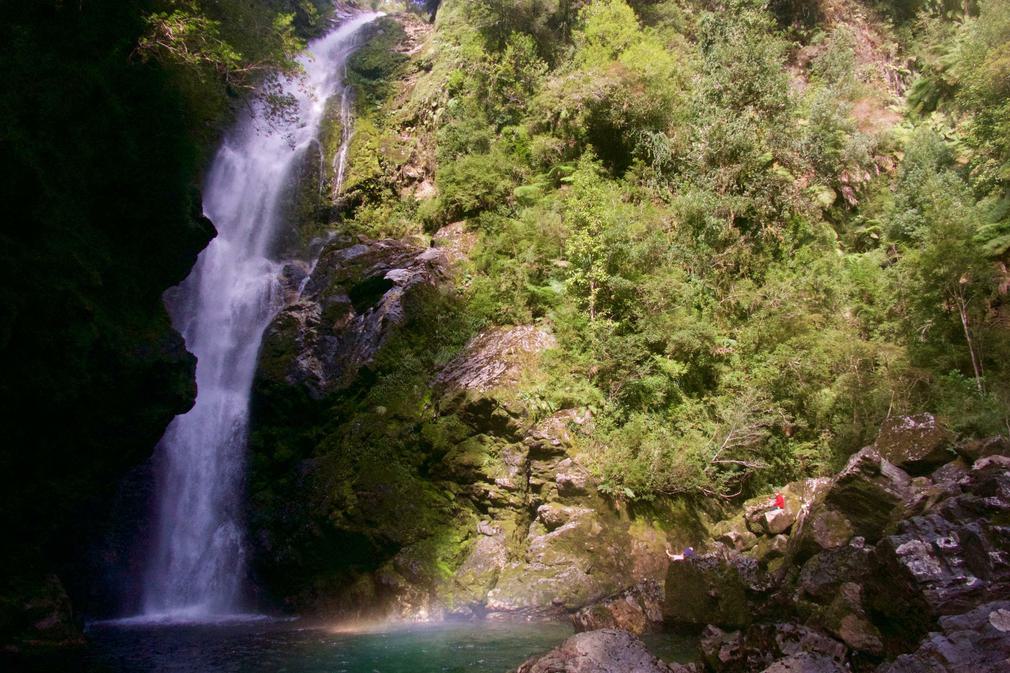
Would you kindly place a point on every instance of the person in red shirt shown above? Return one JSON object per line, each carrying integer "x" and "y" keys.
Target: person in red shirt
{"x": 780, "y": 501}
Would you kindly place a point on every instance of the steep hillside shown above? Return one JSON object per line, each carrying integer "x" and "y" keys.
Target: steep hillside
{"x": 605, "y": 268}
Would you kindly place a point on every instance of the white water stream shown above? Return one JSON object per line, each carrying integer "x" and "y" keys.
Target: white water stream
{"x": 197, "y": 564}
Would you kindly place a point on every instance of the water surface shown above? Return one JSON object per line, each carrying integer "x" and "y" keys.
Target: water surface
{"x": 284, "y": 647}
{"x": 273, "y": 647}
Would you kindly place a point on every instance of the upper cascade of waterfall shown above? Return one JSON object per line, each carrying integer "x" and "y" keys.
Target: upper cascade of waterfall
{"x": 197, "y": 565}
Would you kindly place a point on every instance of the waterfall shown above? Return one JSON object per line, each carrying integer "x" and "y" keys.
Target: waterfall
{"x": 346, "y": 134}
{"x": 196, "y": 567}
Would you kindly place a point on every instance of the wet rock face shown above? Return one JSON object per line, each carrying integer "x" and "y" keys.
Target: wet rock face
{"x": 603, "y": 651}
{"x": 341, "y": 313}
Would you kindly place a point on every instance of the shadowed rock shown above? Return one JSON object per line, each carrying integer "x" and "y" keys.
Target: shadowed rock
{"x": 977, "y": 641}
{"x": 764, "y": 645}
{"x": 715, "y": 589}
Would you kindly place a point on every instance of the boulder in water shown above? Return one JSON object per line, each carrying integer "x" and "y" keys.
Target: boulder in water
{"x": 638, "y": 610}
{"x": 603, "y": 651}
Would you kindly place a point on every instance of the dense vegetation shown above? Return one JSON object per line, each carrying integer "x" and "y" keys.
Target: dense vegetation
{"x": 751, "y": 247}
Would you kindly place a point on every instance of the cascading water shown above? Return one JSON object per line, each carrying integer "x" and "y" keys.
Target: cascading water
{"x": 197, "y": 564}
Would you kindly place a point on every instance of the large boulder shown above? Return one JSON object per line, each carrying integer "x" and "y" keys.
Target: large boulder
{"x": 822, "y": 575}
{"x": 715, "y": 588}
{"x": 603, "y": 651}
{"x": 819, "y": 529}
{"x": 580, "y": 562}
{"x": 870, "y": 493}
{"x": 918, "y": 444}
{"x": 638, "y": 610}
{"x": 977, "y": 641}
{"x": 829, "y": 592}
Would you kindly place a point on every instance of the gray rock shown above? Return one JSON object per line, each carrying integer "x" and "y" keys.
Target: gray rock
{"x": 715, "y": 589}
{"x": 917, "y": 444}
{"x": 806, "y": 663}
{"x": 603, "y": 651}
{"x": 339, "y": 316}
{"x": 823, "y": 575}
{"x": 571, "y": 478}
{"x": 977, "y": 641}
{"x": 820, "y": 529}
{"x": 553, "y": 515}
{"x": 762, "y": 645}
{"x": 494, "y": 358}
{"x": 974, "y": 449}
{"x": 948, "y": 560}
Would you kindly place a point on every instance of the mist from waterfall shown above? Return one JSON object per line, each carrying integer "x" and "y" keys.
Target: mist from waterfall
{"x": 197, "y": 564}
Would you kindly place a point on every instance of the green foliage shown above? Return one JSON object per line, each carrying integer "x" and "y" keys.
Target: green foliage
{"x": 737, "y": 297}
{"x": 218, "y": 49}
{"x": 473, "y": 183}
{"x": 372, "y": 68}
{"x": 984, "y": 78}
{"x": 623, "y": 86}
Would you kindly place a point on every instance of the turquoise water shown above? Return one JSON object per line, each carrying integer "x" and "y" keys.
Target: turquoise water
{"x": 285, "y": 648}
{"x": 273, "y": 647}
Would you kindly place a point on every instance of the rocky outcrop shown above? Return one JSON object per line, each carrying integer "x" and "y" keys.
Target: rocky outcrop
{"x": 879, "y": 568}
{"x": 603, "y": 651}
{"x": 442, "y": 494}
{"x": 977, "y": 641}
{"x": 344, "y": 309}
{"x": 948, "y": 559}
{"x": 494, "y": 358}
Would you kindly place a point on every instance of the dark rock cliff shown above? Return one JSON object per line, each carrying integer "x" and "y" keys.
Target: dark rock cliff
{"x": 97, "y": 167}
